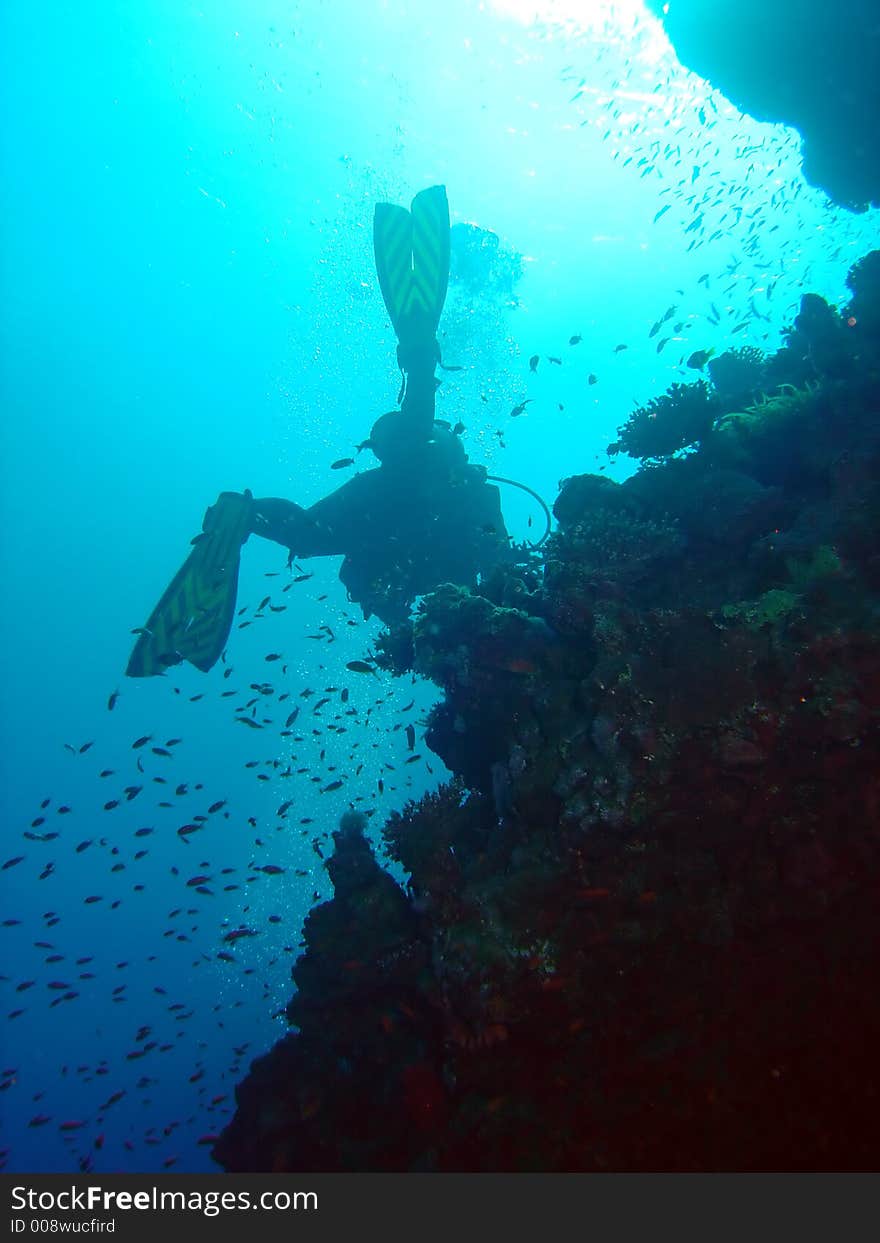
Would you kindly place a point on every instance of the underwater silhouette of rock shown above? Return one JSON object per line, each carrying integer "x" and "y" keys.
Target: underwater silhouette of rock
{"x": 799, "y": 62}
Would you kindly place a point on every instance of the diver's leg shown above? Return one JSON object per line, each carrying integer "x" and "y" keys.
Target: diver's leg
{"x": 332, "y": 526}
{"x": 301, "y": 532}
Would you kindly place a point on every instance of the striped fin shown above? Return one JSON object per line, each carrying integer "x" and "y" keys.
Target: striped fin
{"x": 193, "y": 617}
{"x": 412, "y": 262}
{"x": 392, "y": 246}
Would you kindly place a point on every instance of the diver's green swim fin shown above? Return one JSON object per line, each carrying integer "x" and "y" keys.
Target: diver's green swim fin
{"x": 412, "y": 263}
{"x": 192, "y": 619}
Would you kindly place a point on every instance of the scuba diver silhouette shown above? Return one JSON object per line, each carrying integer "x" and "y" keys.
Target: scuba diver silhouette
{"x": 424, "y": 516}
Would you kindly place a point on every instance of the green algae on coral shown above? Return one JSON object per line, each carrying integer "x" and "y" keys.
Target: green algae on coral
{"x": 771, "y": 609}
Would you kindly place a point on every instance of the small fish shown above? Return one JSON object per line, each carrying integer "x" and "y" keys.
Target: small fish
{"x": 111, "y": 702}
{"x": 575, "y": 340}
{"x": 618, "y": 348}
{"x": 533, "y": 362}
{"x": 360, "y": 666}
{"x": 699, "y": 358}
{"x": 592, "y": 379}
{"x": 663, "y": 341}
{"x": 273, "y": 656}
{"x": 458, "y": 429}
{"x": 662, "y": 212}
{"x": 341, "y": 463}
{"x": 520, "y": 409}
{"x": 141, "y": 742}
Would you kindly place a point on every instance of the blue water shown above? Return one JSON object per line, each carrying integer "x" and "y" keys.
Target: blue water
{"x": 189, "y": 305}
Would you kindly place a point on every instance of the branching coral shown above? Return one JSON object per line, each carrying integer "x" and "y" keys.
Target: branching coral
{"x": 393, "y": 648}
{"x": 737, "y": 374}
{"x": 681, "y": 417}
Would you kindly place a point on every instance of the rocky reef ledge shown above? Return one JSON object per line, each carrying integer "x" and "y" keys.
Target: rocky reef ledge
{"x": 799, "y": 62}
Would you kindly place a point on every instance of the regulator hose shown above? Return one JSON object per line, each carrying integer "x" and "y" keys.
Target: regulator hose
{"x": 524, "y": 488}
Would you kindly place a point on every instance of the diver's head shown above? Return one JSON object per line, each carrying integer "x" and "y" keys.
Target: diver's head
{"x": 396, "y": 441}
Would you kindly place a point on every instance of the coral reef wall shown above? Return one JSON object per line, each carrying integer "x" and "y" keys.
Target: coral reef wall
{"x": 641, "y": 928}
